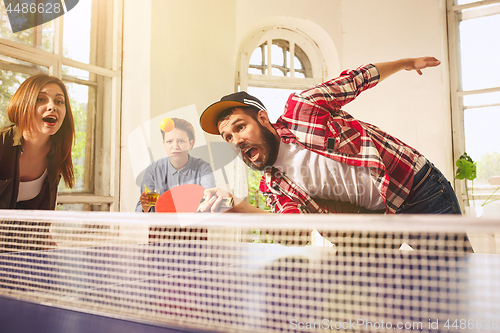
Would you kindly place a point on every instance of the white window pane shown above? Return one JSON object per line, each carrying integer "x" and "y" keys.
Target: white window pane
{"x": 288, "y": 63}
{"x": 277, "y": 57}
{"x": 297, "y": 64}
{"x": 480, "y": 51}
{"x": 464, "y": 2}
{"x": 76, "y": 37}
{"x": 254, "y": 71}
{"x": 492, "y": 209}
{"x": 273, "y": 99}
{"x": 487, "y": 166}
{"x": 277, "y": 72}
{"x": 75, "y": 72}
{"x": 482, "y": 141}
{"x": 256, "y": 58}
{"x": 48, "y": 34}
{"x": 265, "y": 55}
{"x": 481, "y": 99}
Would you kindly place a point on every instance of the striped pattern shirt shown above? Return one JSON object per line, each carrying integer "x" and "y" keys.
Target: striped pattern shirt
{"x": 314, "y": 120}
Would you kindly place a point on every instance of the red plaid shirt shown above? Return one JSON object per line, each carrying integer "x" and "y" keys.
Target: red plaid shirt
{"x": 313, "y": 119}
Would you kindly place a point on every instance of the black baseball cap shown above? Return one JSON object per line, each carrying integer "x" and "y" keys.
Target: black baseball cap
{"x": 208, "y": 119}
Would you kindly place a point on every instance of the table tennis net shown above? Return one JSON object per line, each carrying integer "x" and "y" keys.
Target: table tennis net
{"x": 257, "y": 273}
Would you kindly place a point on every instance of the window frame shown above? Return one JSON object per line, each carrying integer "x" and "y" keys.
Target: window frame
{"x": 294, "y": 37}
{"x": 287, "y": 68}
{"x": 457, "y": 93}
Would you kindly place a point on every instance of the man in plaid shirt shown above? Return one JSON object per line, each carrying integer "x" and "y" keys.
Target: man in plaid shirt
{"x": 318, "y": 159}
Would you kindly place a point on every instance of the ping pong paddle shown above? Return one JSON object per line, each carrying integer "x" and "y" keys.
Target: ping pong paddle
{"x": 184, "y": 199}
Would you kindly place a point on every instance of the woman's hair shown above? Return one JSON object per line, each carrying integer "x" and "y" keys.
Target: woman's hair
{"x": 182, "y": 125}
{"x": 22, "y": 111}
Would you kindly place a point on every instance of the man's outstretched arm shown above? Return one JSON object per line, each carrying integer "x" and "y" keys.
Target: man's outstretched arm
{"x": 386, "y": 69}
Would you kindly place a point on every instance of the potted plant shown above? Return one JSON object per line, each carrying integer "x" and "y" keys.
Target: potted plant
{"x": 467, "y": 169}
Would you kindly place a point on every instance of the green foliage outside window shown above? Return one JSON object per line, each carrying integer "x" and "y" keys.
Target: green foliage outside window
{"x": 78, "y": 152}
{"x": 9, "y": 83}
{"x": 487, "y": 166}
{"x": 255, "y": 197}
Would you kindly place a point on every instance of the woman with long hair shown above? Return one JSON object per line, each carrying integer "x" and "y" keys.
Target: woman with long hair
{"x": 35, "y": 150}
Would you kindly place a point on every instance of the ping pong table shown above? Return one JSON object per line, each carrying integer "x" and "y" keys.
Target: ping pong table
{"x": 209, "y": 286}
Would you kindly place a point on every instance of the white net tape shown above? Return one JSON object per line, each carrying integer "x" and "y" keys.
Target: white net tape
{"x": 258, "y": 273}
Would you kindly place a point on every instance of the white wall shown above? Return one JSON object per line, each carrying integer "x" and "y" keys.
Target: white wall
{"x": 181, "y": 53}
{"x": 411, "y": 107}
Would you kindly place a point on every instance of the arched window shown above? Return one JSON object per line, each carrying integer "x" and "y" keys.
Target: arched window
{"x": 282, "y": 62}
{"x": 278, "y": 61}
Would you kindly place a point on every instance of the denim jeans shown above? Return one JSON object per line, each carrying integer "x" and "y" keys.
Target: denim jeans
{"x": 434, "y": 196}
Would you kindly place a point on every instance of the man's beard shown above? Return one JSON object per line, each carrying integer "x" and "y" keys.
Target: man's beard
{"x": 269, "y": 146}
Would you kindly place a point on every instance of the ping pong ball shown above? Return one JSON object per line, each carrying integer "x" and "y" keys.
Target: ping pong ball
{"x": 167, "y": 125}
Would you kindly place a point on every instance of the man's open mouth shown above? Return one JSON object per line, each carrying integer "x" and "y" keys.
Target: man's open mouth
{"x": 251, "y": 153}
{"x": 50, "y": 119}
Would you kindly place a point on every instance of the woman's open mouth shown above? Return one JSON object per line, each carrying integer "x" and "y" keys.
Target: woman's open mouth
{"x": 50, "y": 120}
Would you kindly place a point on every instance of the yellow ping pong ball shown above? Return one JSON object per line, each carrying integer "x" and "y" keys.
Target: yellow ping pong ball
{"x": 167, "y": 125}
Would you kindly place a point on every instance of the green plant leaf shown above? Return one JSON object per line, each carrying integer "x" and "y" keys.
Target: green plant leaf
{"x": 466, "y": 167}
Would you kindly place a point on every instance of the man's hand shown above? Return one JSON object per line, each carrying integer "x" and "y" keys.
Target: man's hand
{"x": 386, "y": 69}
{"x": 144, "y": 200}
{"x": 417, "y": 64}
{"x": 213, "y": 198}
